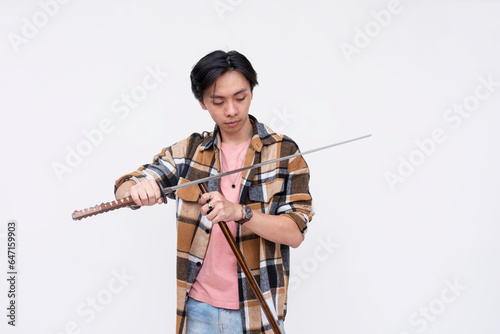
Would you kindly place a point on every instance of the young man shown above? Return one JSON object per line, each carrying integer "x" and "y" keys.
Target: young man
{"x": 267, "y": 209}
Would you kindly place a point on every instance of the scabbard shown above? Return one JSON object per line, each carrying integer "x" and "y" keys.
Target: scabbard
{"x": 246, "y": 269}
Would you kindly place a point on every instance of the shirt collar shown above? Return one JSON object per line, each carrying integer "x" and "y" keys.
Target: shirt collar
{"x": 262, "y": 136}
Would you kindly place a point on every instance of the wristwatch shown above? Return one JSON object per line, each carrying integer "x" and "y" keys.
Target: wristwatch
{"x": 247, "y": 215}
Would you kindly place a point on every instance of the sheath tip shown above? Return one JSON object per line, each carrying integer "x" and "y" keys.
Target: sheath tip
{"x": 73, "y": 216}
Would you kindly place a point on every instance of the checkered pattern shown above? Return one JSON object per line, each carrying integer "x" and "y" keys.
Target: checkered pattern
{"x": 281, "y": 188}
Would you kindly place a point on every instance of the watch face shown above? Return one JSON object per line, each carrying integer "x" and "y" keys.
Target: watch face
{"x": 247, "y": 212}
{"x": 247, "y": 215}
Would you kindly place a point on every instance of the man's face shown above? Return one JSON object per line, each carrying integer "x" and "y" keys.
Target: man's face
{"x": 229, "y": 102}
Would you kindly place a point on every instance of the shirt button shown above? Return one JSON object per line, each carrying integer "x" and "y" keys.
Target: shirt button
{"x": 207, "y": 231}
{"x": 198, "y": 264}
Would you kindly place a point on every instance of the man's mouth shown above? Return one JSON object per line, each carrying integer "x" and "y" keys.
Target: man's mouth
{"x": 232, "y": 123}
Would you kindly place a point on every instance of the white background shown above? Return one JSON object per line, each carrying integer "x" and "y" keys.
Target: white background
{"x": 382, "y": 250}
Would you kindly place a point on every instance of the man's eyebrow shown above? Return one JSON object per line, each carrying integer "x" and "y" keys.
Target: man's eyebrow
{"x": 240, "y": 91}
{"x": 213, "y": 96}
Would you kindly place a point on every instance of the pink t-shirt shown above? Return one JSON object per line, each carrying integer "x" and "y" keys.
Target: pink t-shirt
{"x": 217, "y": 281}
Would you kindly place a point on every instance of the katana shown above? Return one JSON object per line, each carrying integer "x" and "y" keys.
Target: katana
{"x": 129, "y": 202}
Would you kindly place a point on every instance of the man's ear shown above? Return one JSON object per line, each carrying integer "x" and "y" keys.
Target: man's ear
{"x": 203, "y": 106}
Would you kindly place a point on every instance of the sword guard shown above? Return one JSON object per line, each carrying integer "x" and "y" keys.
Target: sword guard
{"x": 162, "y": 192}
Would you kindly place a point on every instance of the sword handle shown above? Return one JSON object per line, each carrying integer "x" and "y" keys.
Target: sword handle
{"x": 103, "y": 207}
{"x": 113, "y": 205}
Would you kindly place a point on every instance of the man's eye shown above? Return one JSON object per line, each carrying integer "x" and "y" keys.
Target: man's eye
{"x": 217, "y": 103}
{"x": 242, "y": 98}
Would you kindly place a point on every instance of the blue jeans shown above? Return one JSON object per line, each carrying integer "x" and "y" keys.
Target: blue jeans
{"x": 203, "y": 318}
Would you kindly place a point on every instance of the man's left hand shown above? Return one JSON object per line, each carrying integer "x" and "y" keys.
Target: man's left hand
{"x": 217, "y": 208}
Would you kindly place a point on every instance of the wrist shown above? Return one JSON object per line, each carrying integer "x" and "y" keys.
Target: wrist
{"x": 246, "y": 214}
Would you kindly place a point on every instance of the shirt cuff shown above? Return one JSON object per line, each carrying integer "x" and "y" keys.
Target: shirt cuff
{"x": 300, "y": 219}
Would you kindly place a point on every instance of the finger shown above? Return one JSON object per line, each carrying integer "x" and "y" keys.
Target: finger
{"x": 204, "y": 198}
{"x": 206, "y": 209}
{"x": 150, "y": 192}
{"x": 135, "y": 195}
{"x": 143, "y": 196}
{"x": 157, "y": 191}
{"x": 211, "y": 212}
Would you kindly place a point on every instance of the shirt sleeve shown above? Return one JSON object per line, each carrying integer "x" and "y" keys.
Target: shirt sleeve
{"x": 296, "y": 200}
{"x": 164, "y": 168}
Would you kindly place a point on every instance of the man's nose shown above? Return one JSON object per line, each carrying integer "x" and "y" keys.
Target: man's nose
{"x": 231, "y": 109}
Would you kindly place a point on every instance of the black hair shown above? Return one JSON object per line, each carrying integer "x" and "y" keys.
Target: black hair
{"x": 209, "y": 68}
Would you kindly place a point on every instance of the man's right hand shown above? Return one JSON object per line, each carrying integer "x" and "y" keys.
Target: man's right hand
{"x": 146, "y": 192}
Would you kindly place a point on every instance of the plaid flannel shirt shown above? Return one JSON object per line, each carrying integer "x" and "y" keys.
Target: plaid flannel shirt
{"x": 278, "y": 189}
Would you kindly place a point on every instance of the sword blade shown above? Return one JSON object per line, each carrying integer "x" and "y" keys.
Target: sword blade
{"x": 169, "y": 190}
{"x": 127, "y": 202}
